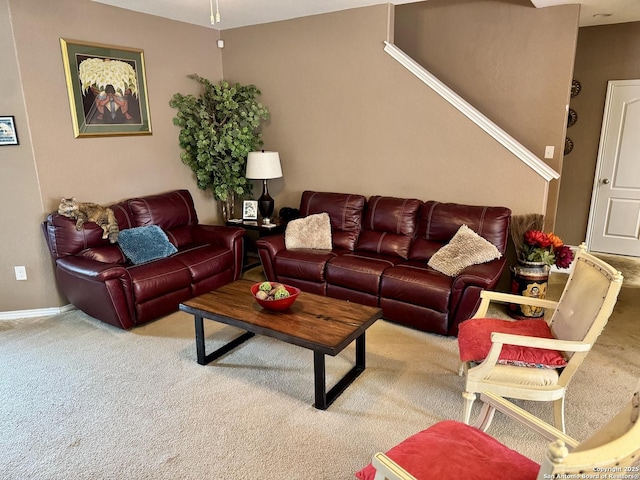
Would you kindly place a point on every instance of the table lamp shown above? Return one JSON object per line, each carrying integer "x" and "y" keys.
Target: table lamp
{"x": 263, "y": 166}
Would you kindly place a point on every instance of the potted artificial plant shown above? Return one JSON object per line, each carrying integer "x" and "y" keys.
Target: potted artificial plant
{"x": 218, "y": 129}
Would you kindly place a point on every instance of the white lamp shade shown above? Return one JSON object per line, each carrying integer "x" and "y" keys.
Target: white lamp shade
{"x": 263, "y": 165}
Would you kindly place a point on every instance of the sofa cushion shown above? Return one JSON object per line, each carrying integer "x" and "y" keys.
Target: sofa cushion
{"x": 143, "y": 244}
{"x": 159, "y": 279}
{"x": 345, "y": 211}
{"x": 204, "y": 261}
{"x": 466, "y": 248}
{"x": 389, "y": 226}
{"x": 474, "y": 341}
{"x": 312, "y": 232}
{"x": 417, "y": 285}
{"x": 359, "y": 271}
{"x": 167, "y": 210}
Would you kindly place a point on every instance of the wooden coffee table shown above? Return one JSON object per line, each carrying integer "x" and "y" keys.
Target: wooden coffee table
{"x": 322, "y": 324}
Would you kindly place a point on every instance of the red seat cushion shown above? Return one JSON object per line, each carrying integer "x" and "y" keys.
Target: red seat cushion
{"x": 474, "y": 342}
{"x": 451, "y": 449}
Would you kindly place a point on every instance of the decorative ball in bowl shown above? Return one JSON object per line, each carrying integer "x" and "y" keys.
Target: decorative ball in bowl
{"x": 274, "y": 296}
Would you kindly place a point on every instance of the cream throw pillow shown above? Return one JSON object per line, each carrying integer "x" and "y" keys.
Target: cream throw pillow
{"x": 464, "y": 249}
{"x": 313, "y": 231}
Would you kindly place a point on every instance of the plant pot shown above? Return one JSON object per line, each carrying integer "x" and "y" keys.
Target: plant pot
{"x": 529, "y": 279}
{"x": 228, "y": 206}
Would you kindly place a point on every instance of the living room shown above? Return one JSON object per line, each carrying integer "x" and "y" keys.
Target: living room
{"x": 344, "y": 116}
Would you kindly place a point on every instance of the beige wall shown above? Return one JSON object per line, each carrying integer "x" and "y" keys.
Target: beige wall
{"x": 512, "y": 62}
{"x": 20, "y": 202}
{"x": 50, "y": 162}
{"x": 346, "y": 117}
{"x": 610, "y": 52}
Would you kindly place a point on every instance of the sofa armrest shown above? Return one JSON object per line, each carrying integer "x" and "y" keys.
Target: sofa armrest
{"x": 268, "y": 248}
{"x": 466, "y": 289}
{"x": 102, "y": 290}
{"x": 93, "y": 270}
{"x": 273, "y": 244}
{"x": 484, "y": 275}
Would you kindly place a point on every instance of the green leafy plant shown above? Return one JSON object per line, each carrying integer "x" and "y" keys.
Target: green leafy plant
{"x": 218, "y": 129}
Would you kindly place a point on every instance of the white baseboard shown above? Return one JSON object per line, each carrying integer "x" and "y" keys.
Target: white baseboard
{"x": 37, "y": 312}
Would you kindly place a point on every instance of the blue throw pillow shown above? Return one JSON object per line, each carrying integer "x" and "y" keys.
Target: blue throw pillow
{"x": 143, "y": 244}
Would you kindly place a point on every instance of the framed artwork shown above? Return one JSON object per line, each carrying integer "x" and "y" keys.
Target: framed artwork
{"x": 8, "y": 134}
{"x": 107, "y": 89}
{"x": 250, "y": 210}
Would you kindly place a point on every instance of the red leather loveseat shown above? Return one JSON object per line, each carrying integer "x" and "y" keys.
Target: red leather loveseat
{"x": 97, "y": 278}
{"x": 381, "y": 247}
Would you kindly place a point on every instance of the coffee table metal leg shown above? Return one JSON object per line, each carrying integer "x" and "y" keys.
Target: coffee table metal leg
{"x": 202, "y": 356}
{"x": 324, "y": 398}
{"x": 319, "y": 380}
{"x": 200, "y": 339}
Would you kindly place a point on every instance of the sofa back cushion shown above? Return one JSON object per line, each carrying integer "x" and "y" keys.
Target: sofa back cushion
{"x": 167, "y": 210}
{"x": 63, "y": 239}
{"x": 389, "y": 226}
{"x": 345, "y": 211}
{"x": 123, "y": 215}
{"x": 174, "y": 212}
{"x": 439, "y": 222}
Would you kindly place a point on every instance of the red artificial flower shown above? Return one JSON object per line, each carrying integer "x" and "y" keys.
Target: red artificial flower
{"x": 536, "y": 238}
{"x": 564, "y": 256}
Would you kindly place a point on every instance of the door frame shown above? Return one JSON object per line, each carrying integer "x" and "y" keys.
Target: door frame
{"x": 611, "y": 84}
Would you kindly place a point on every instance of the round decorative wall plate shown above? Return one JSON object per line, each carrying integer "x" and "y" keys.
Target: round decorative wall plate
{"x": 568, "y": 146}
{"x": 575, "y": 88}
{"x": 572, "y": 118}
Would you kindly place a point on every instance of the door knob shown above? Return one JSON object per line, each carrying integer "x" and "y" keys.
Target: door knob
{"x": 605, "y": 181}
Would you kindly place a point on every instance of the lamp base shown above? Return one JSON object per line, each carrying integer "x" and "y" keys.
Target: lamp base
{"x": 265, "y": 204}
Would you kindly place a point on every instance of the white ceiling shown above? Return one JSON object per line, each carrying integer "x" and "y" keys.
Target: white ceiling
{"x": 240, "y": 13}
{"x": 599, "y": 12}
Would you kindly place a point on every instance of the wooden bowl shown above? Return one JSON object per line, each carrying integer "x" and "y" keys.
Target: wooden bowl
{"x": 276, "y": 305}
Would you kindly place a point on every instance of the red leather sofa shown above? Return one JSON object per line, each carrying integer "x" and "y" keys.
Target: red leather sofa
{"x": 381, "y": 247}
{"x": 97, "y": 278}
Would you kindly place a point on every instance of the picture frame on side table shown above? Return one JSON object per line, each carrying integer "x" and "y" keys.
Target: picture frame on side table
{"x": 107, "y": 89}
{"x": 8, "y": 133}
{"x": 250, "y": 210}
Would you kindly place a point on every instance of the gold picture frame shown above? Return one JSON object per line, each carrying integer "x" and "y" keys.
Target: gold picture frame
{"x": 98, "y": 107}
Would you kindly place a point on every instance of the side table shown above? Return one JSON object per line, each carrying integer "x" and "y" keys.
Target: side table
{"x": 255, "y": 229}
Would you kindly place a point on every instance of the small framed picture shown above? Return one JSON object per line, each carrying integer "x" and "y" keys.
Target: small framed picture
{"x": 8, "y": 134}
{"x": 250, "y": 210}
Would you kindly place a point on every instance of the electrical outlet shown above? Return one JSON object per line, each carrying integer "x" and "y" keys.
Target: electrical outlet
{"x": 548, "y": 151}
{"x": 21, "y": 273}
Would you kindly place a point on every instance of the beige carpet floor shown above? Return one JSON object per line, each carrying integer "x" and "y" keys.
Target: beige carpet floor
{"x": 82, "y": 400}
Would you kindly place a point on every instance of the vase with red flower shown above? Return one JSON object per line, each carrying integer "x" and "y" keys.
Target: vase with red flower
{"x": 530, "y": 278}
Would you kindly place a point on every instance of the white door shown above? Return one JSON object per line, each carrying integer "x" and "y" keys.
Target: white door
{"x": 614, "y": 220}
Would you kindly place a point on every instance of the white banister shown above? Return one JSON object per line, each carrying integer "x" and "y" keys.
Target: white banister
{"x": 506, "y": 140}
